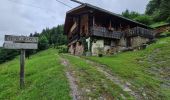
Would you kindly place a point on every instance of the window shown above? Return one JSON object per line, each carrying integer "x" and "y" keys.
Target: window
{"x": 107, "y": 42}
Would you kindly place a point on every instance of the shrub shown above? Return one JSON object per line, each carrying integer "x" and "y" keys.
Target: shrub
{"x": 43, "y": 43}
{"x": 62, "y": 49}
{"x": 145, "y": 19}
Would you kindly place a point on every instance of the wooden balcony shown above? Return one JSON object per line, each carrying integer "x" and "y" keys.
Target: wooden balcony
{"x": 139, "y": 31}
{"x": 103, "y": 32}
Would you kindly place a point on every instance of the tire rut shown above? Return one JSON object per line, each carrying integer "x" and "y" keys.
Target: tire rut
{"x": 75, "y": 93}
{"x": 126, "y": 86}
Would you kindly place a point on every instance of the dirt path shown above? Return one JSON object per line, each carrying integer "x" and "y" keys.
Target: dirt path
{"x": 75, "y": 93}
{"x": 126, "y": 86}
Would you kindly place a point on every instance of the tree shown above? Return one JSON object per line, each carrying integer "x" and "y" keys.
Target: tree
{"x": 152, "y": 6}
{"x": 43, "y": 43}
{"x": 159, "y": 10}
{"x": 165, "y": 9}
{"x": 145, "y": 19}
{"x": 130, "y": 15}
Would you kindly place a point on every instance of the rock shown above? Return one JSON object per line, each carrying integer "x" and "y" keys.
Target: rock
{"x": 127, "y": 89}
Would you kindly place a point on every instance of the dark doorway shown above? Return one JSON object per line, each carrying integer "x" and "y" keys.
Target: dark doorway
{"x": 128, "y": 42}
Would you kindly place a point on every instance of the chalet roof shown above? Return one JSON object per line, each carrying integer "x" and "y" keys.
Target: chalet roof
{"x": 105, "y": 11}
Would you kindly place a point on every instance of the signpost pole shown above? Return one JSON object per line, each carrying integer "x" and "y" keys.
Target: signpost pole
{"x": 22, "y": 63}
{"x": 22, "y": 43}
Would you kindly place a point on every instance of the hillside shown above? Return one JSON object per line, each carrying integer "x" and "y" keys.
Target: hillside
{"x": 140, "y": 75}
{"x": 45, "y": 78}
{"x": 147, "y": 70}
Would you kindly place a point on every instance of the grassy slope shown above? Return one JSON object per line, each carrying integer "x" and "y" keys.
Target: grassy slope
{"x": 147, "y": 69}
{"x": 158, "y": 24}
{"x": 44, "y": 80}
{"x": 91, "y": 79}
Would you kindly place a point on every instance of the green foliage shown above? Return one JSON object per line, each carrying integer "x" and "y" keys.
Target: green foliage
{"x": 6, "y": 55}
{"x": 51, "y": 37}
{"x": 168, "y": 19}
{"x": 47, "y": 38}
{"x": 43, "y": 43}
{"x": 146, "y": 69}
{"x": 62, "y": 49}
{"x": 94, "y": 81}
{"x": 165, "y": 34}
{"x": 152, "y": 6}
{"x": 145, "y": 19}
{"x": 44, "y": 78}
{"x": 159, "y": 9}
{"x": 158, "y": 24}
{"x": 130, "y": 15}
{"x": 55, "y": 35}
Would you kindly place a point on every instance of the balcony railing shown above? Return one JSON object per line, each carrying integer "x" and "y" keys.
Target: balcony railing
{"x": 139, "y": 31}
{"x": 103, "y": 32}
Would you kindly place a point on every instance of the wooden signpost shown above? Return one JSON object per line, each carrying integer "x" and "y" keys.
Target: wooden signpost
{"x": 22, "y": 43}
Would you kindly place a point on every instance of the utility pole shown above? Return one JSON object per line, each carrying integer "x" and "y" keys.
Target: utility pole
{"x": 78, "y": 2}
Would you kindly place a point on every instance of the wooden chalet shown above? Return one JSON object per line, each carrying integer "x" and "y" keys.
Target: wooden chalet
{"x": 90, "y": 29}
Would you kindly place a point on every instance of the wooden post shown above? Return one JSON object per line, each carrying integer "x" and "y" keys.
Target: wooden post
{"x": 22, "y": 63}
{"x": 22, "y": 43}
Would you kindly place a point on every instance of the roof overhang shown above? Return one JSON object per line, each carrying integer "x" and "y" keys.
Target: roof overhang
{"x": 86, "y": 5}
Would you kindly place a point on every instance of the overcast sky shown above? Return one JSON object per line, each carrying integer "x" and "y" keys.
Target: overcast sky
{"x": 22, "y": 17}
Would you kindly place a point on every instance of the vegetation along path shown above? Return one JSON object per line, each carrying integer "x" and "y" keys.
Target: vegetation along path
{"x": 69, "y": 73}
{"x": 139, "y": 75}
{"x": 126, "y": 86}
{"x": 147, "y": 70}
{"x": 92, "y": 83}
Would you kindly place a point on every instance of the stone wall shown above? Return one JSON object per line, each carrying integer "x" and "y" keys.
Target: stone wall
{"x": 79, "y": 49}
{"x": 115, "y": 46}
{"x": 71, "y": 49}
{"x": 95, "y": 45}
{"x": 76, "y": 49}
{"x": 138, "y": 41}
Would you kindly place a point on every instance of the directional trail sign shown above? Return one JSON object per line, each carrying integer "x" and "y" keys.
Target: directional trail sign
{"x": 22, "y": 43}
{"x": 21, "y": 39}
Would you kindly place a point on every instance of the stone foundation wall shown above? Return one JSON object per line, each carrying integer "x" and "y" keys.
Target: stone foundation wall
{"x": 138, "y": 41}
{"x": 96, "y": 45}
{"x": 76, "y": 49}
{"x": 71, "y": 49}
{"x": 79, "y": 49}
{"x": 115, "y": 46}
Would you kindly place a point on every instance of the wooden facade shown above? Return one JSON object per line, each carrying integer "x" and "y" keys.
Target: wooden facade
{"x": 102, "y": 29}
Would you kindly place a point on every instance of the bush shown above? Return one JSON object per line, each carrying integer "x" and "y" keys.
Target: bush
{"x": 165, "y": 34}
{"x": 62, "y": 49}
{"x": 43, "y": 43}
{"x": 145, "y": 19}
{"x": 6, "y": 55}
{"x": 168, "y": 19}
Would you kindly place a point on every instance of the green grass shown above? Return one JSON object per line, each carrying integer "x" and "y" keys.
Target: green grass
{"x": 95, "y": 81}
{"x": 158, "y": 24}
{"x": 44, "y": 78}
{"x": 146, "y": 69}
